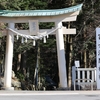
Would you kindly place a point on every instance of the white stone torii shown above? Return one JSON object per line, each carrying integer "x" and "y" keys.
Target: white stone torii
{"x": 58, "y": 16}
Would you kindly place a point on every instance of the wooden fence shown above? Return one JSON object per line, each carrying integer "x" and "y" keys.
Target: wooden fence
{"x": 83, "y": 76}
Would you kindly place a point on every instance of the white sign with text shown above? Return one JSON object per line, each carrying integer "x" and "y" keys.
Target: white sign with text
{"x": 77, "y": 63}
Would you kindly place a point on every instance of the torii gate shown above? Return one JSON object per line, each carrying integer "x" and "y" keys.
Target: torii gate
{"x": 34, "y": 16}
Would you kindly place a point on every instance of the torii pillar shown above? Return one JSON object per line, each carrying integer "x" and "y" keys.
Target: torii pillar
{"x": 61, "y": 56}
{"x": 8, "y": 59}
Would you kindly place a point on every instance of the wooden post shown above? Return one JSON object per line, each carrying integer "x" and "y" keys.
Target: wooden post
{"x": 61, "y": 56}
{"x": 83, "y": 76}
{"x": 9, "y": 58}
{"x": 78, "y": 75}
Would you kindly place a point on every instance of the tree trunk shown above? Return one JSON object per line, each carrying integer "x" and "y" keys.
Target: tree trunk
{"x": 23, "y": 63}
{"x": 85, "y": 59}
{"x": 69, "y": 58}
{"x": 18, "y": 62}
{"x": 37, "y": 67}
{"x": 73, "y": 2}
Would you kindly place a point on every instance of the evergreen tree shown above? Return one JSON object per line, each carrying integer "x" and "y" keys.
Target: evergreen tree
{"x": 78, "y": 46}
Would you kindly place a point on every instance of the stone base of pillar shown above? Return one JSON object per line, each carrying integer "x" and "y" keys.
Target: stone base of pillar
{"x": 7, "y": 88}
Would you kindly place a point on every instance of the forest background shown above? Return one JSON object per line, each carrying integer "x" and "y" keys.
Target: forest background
{"x": 36, "y": 62}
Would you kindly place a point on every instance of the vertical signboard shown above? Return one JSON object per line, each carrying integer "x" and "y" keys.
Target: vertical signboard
{"x": 33, "y": 27}
{"x": 98, "y": 56}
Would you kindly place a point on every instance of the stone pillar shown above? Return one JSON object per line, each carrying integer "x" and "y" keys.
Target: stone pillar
{"x": 61, "y": 56}
{"x": 9, "y": 58}
{"x": 98, "y": 57}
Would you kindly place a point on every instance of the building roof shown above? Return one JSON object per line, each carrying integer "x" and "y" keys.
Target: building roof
{"x": 8, "y": 13}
